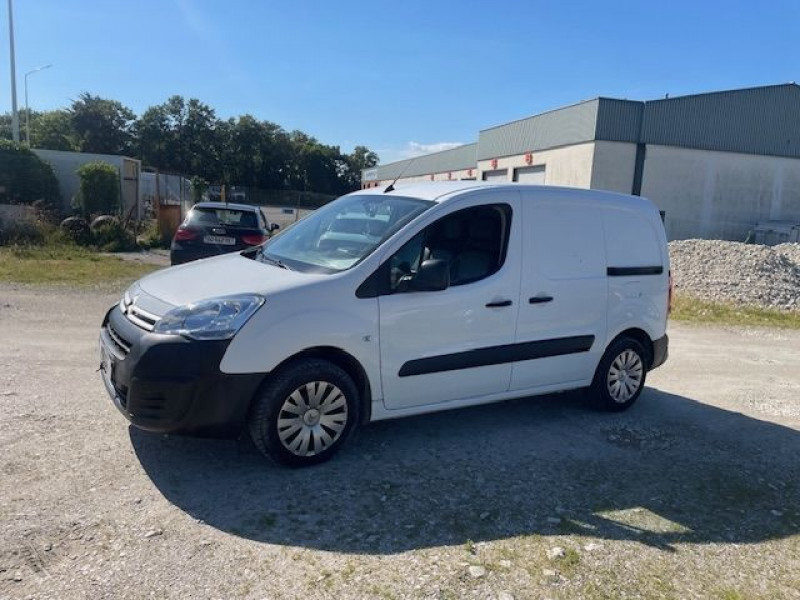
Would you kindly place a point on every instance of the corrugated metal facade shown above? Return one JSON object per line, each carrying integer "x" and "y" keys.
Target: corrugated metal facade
{"x": 763, "y": 120}
{"x": 456, "y": 159}
{"x": 562, "y": 127}
{"x": 619, "y": 120}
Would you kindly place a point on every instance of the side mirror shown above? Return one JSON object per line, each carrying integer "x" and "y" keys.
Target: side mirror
{"x": 432, "y": 276}
{"x": 274, "y": 227}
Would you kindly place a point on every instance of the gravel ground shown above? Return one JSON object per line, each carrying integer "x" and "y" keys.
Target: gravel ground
{"x": 750, "y": 274}
{"x": 693, "y": 493}
{"x": 157, "y": 256}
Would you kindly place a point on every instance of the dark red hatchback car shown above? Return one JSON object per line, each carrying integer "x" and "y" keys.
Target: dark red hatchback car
{"x": 213, "y": 228}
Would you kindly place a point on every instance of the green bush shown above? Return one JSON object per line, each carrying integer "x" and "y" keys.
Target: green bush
{"x": 151, "y": 237}
{"x": 111, "y": 236}
{"x": 99, "y": 189}
{"x": 25, "y": 178}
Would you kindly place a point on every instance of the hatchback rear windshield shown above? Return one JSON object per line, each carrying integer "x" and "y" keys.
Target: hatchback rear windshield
{"x": 229, "y": 217}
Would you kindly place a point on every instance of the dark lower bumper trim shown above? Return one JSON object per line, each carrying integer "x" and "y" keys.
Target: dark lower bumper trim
{"x": 660, "y": 352}
{"x": 169, "y": 384}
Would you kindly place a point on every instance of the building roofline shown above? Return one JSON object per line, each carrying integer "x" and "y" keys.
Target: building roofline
{"x": 551, "y": 110}
{"x": 730, "y": 91}
{"x": 402, "y": 160}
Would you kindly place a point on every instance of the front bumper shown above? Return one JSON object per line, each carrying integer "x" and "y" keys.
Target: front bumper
{"x": 660, "y": 351}
{"x": 170, "y": 384}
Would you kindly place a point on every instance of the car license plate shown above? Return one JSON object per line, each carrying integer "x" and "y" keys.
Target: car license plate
{"x": 218, "y": 239}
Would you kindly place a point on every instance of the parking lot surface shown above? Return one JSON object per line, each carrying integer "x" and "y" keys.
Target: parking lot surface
{"x": 694, "y": 492}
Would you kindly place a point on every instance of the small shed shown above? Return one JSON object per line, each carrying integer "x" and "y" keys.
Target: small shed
{"x": 65, "y": 165}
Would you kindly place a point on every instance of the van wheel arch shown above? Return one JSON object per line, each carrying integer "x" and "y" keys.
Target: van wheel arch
{"x": 640, "y": 336}
{"x": 345, "y": 361}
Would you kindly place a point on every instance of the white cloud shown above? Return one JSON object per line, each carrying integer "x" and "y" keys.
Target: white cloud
{"x": 412, "y": 149}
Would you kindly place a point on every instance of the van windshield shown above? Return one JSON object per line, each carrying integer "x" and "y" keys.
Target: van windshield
{"x": 342, "y": 233}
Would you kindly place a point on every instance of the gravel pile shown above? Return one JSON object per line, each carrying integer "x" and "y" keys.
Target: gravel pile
{"x": 767, "y": 276}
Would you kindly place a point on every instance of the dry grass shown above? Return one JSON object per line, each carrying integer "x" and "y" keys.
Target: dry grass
{"x": 65, "y": 264}
{"x": 693, "y": 310}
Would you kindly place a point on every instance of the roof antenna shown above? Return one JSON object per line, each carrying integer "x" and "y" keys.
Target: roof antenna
{"x": 390, "y": 187}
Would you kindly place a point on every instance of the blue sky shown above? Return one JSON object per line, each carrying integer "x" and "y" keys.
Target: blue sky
{"x": 399, "y": 77}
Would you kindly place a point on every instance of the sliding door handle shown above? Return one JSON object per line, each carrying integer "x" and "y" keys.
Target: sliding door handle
{"x": 540, "y": 299}
{"x": 499, "y": 304}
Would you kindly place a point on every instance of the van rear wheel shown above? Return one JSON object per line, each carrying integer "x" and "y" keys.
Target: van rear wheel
{"x": 304, "y": 413}
{"x": 621, "y": 375}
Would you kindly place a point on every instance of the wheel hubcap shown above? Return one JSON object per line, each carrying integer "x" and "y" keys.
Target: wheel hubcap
{"x": 625, "y": 376}
{"x": 312, "y": 418}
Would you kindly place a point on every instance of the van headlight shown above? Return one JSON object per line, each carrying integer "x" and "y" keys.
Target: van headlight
{"x": 212, "y": 319}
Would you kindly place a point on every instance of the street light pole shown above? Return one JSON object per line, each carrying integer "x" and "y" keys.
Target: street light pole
{"x": 27, "y": 109}
{"x": 14, "y": 114}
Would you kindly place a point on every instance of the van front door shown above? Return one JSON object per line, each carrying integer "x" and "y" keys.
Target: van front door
{"x": 450, "y": 345}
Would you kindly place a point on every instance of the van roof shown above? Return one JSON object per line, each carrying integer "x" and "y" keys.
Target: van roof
{"x": 440, "y": 191}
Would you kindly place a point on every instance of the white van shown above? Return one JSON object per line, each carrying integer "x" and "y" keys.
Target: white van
{"x": 395, "y": 302}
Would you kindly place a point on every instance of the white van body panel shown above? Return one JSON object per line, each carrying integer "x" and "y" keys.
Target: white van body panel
{"x": 635, "y": 237}
{"x": 307, "y": 317}
{"x": 564, "y": 263}
{"x": 592, "y": 230}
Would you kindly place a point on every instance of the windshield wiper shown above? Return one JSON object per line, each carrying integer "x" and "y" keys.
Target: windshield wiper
{"x": 273, "y": 261}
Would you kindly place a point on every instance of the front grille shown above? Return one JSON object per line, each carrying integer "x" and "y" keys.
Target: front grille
{"x": 120, "y": 343}
{"x": 136, "y": 315}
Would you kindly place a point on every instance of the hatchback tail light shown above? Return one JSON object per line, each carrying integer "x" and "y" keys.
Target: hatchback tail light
{"x": 184, "y": 234}
{"x": 253, "y": 239}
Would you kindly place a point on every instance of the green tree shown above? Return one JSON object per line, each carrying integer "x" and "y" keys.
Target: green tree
{"x": 99, "y": 189}
{"x": 25, "y": 178}
{"x": 182, "y": 136}
{"x": 52, "y": 130}
{"x": 359, "y": 159}
{"x": 101, "y": 125}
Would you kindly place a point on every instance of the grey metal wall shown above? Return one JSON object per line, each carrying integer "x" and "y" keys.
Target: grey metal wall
{"x": 561, "y": 127}
{"x": 456, "y": 159}
{"x": 763, "y": 120}
{"x": 619, "y": 120}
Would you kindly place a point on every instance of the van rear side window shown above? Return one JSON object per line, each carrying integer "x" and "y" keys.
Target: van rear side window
{"x": 569, "y": 239}
{"x": 631, "y": 241}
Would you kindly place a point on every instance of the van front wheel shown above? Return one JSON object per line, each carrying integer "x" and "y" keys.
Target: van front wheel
{"x": 305, "y": 413}
{"x": 620, "y": 376}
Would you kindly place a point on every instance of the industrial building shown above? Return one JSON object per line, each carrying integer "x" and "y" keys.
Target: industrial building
{"x": 716, "y": 164}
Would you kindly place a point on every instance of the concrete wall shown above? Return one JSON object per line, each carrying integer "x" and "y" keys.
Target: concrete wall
{"x": 613, "y": 166}
{"x": 569, "y": 166}
{"x": 65, "y": 165}
{"x": 16, "y": 213}
{"x": 720, "y": 195}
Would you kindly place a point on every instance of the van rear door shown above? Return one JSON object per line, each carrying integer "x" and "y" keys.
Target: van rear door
{"x": 564, "y": 291}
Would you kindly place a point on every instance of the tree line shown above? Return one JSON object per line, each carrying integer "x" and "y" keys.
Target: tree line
{"x": 187, "y": 137}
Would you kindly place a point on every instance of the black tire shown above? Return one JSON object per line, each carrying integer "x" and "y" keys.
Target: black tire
{"x": 620, "y": 353}
{"x": 272, "y": 399}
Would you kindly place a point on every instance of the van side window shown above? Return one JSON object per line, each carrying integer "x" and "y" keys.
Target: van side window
{"x": 472, "y": 241}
